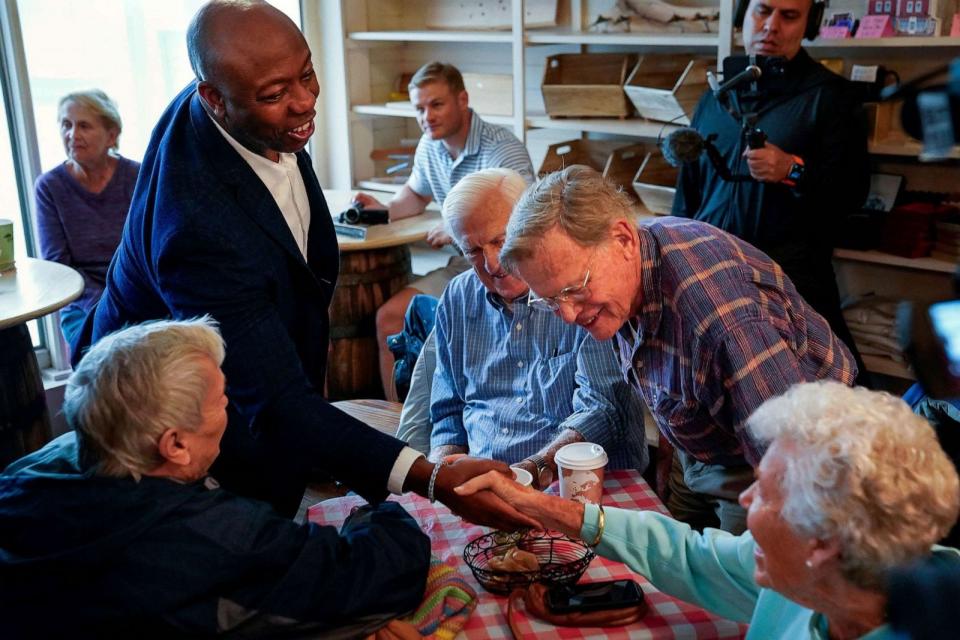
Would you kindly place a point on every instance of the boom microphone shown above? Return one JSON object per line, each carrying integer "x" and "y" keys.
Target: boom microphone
{"x": 682, "y": 146}
{"x": 751, "y": 73}
{"x": 685, "y": 145}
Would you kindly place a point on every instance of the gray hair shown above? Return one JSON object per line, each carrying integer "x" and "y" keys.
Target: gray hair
{"x": 862, "y": 469}
{"x": 577, "y": 199}
{"x": 100, "y": 104}
{"x": 479, "y": 188}
{"x": 135, "y": 384}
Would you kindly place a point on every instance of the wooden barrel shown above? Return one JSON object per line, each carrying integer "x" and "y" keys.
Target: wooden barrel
{"x": 24, "y": 423}
{"x": 367, "y": 279}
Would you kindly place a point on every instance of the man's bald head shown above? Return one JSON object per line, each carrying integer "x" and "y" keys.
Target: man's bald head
{"x": 220, "y": 25}
{"x": 256, "y": 77}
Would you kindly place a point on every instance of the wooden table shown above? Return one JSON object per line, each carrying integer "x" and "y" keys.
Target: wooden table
{"x": 371, "y": 271}
{"x": 668, "y": 617}
{"x": 31, "y": 290}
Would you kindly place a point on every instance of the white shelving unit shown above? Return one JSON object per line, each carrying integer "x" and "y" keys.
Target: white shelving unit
{"x": 383, "y": 38}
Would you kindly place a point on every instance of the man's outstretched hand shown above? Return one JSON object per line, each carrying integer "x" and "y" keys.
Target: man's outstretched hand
{"x": 483, "y": 507}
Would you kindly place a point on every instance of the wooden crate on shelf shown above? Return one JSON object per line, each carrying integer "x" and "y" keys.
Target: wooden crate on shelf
{"x": 668, "y": 87}
{"x": 494, "y": 14}
{"x": 615, "y": 160}
{"x": 577, "y": 85}
{"x": 491, "y": 94}
{"x": 655, "y": 183}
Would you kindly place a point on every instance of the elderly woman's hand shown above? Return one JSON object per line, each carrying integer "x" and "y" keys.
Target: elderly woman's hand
{"x": 553, "y": 512}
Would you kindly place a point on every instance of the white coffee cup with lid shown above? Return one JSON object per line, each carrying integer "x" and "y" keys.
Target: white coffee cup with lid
{"x": 581, "y": 466}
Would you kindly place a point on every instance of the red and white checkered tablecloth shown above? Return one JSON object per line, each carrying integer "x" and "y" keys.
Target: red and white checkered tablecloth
{"x": 668, "y": 617}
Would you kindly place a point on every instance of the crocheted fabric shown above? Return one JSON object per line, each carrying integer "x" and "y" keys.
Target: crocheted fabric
{"x": 447, "y": 603}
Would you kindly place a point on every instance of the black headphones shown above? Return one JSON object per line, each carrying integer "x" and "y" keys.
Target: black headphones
{"x": 814, "y": 18}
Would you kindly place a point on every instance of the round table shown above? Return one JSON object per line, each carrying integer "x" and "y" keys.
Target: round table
{"x": 371, "y": 271}
{"x": 31, "y": 290}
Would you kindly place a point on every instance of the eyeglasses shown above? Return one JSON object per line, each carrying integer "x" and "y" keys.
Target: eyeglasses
{"x": 576, "y": 293}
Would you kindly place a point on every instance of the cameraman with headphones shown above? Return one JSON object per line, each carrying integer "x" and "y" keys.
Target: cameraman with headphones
{"x": 810, "y": 173}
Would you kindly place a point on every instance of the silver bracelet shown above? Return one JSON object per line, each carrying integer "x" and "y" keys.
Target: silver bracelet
{"x": 433, "y": 481}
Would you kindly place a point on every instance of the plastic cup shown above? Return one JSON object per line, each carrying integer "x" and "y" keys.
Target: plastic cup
{"x": 6, "y": 244}
{"x": 581, "y": 467}
{"x": 522, "y": 476}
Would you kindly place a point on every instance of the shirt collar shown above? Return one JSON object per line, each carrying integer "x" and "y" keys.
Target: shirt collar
{"x": 646, "y": 323}
{"x": 472, "y": 145}
{"x": 501, "y": 305}
{"x": 255, "y": 160}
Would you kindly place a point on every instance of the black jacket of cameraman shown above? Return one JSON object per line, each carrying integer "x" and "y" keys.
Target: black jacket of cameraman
{"x": 813, "y": 114}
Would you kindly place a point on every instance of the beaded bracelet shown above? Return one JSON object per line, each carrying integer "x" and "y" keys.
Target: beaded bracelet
{"x": 601, "y": 522}
{"x": 433, "y": 481}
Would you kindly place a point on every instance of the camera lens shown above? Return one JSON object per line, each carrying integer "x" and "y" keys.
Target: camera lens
{"x": 352, "y": 215}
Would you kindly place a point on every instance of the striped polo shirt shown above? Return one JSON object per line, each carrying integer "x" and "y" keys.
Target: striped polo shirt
{"x": 488, "y": 147}
{"x": 720, "y": 330}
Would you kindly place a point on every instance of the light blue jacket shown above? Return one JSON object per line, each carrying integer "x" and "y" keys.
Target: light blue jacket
{"x": 713, "y": 570}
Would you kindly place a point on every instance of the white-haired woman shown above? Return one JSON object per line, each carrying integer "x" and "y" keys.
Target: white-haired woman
{"x": 852, "y": 485}
{"x": 82, "y": 203}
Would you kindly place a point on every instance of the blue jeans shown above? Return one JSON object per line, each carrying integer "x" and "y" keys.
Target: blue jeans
{"x": 406, "y": 345}
{"x": 71, "y": 319}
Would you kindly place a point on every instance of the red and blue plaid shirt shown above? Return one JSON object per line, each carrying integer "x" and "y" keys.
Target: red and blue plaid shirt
{"x": 721, "y": 329}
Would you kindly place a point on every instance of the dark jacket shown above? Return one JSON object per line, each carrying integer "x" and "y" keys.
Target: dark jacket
{"x": 204, "y": 236}
{"x": 813, "y": 114}
{"x": 83, "y": 555}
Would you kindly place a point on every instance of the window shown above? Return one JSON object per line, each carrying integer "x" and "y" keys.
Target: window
{"x": 134, "y": 50}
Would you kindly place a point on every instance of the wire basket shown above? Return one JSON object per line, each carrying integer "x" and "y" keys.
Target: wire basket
{"x": 562, "y": 559}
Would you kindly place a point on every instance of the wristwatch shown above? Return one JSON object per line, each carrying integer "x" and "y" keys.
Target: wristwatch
{"x": 544, "y": 473}
{"x": 795, "y": 174}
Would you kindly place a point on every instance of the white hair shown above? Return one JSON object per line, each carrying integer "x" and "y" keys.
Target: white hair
{"x": 577, "y": 200}
{"x": 135, "y": 384}
{"x": 480, "y": 188}
{"x": 863, "y": 469}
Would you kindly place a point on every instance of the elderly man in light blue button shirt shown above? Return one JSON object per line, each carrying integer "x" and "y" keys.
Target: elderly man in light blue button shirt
{"x": 511, "y": 383}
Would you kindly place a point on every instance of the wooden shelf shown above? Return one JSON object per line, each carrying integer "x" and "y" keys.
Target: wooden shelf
{"x": 431, "y": 36}
{"x": 408, "y": 112}
{"x": 907, "y": 148}
{"x": 888, "y": 367}
{"x": 884, "y": 43}
{"x": 633, "y": 127}
{"x": 686, "y": 41}
{"x": 890, "y": 260}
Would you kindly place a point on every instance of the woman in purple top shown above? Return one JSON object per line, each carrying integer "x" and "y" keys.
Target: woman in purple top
{"x": 82, "y": 204}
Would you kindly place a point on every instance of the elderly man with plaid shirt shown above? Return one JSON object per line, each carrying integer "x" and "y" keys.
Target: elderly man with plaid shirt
{"x": 707, "y": 327}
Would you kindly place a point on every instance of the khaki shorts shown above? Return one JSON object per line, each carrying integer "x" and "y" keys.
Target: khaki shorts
{"x": 437, "y": 280}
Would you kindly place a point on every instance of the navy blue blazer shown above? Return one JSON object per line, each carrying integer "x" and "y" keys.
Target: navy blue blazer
{"x": 204, "y": 236}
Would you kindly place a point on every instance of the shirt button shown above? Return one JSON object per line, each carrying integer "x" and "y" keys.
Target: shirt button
{"x": 504, "y": 431}
{"x": 520, "y": 365}
{"x": 520, "y": 400}
{"x": 519, "y": 326}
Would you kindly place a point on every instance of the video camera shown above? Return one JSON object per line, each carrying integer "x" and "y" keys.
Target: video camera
{"x": 930, "y": 333}
{"x": 358, "y": 214}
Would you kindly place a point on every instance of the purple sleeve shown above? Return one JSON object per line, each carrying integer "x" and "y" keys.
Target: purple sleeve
{"x": 53, "y": 238}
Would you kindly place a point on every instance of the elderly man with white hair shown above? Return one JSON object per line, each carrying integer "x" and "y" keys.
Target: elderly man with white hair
{"x": 511, "y": 384}
{"x": 117, "y": 528}
{"x": 853, "y": 485}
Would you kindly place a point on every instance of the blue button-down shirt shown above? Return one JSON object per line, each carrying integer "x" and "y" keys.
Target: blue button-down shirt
{"x": 721, "y": 329}
{"x": 509, "y": 379}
